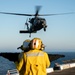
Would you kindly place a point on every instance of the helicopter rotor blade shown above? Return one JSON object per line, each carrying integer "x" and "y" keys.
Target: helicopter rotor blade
{"x": 37, "y": 10}
{"x": 17, "y": 14}
{"x": 36, "y": 14}
{"x": 57, "y": 14}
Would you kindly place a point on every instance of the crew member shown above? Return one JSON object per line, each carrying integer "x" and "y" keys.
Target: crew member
{"x": 25, "y": 45}
{"x": 24, "y": 48}
{"x": 35, "y": 61}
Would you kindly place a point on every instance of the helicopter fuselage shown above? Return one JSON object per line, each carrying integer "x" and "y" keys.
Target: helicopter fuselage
{"x": 37, "y": 24}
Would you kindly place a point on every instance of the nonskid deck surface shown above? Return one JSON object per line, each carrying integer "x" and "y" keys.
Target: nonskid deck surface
{"x": 70, "y": 71}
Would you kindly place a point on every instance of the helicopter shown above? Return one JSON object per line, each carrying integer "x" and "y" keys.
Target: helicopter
{"x": 36, "y": 23}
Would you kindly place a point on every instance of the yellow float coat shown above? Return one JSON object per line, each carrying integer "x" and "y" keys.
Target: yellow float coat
{"x": 34, "y": 62}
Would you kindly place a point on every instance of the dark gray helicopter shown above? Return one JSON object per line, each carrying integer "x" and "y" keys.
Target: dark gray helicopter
{"x": 36, "y": 23}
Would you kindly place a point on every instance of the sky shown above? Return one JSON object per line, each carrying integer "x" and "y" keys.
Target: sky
{"x": 60, "y": 33}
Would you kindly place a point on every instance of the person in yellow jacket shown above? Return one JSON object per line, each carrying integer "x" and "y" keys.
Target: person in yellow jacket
{"x": 35, "y": 61}
{"x": 24, "y": 48}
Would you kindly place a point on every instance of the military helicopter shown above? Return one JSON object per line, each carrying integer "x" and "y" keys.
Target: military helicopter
{"x": 36, "y": 23}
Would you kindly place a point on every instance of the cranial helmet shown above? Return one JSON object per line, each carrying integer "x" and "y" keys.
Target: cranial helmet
{"x": 36, "y": 43}
{"x": 25, "y": 45}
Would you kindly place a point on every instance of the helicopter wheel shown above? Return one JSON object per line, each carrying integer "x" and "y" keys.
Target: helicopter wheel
{"x": 30, "y": 35}
{"x": 44, "y": 29}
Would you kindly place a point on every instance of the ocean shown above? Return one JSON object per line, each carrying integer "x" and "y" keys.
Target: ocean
{"x": 5, "y": 64}
{"x": 68, "y": 56}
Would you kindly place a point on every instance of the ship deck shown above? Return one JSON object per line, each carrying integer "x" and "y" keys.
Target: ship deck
{"x": 70, "y": 71}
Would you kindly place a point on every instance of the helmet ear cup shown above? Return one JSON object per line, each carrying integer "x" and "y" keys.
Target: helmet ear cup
{"x": 42, "y": 46}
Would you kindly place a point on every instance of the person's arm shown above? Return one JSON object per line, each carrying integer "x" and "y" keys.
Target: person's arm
{"x": 47, "y": 60}
{"x": 20, "y": 64}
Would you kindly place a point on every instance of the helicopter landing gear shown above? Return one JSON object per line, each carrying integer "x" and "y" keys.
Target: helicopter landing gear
{"x": 44, "y": 29}
{"x": 30, "y": 35}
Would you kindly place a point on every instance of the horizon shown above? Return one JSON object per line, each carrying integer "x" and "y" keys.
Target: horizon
{"x": 46, "y": 50}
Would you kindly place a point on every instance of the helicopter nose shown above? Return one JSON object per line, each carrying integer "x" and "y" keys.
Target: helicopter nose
{"x": 44, "y": 26}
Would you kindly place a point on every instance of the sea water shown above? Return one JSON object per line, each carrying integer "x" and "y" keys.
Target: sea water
{"x": 68, "y": 56}
{"x": 5, "y": 64}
